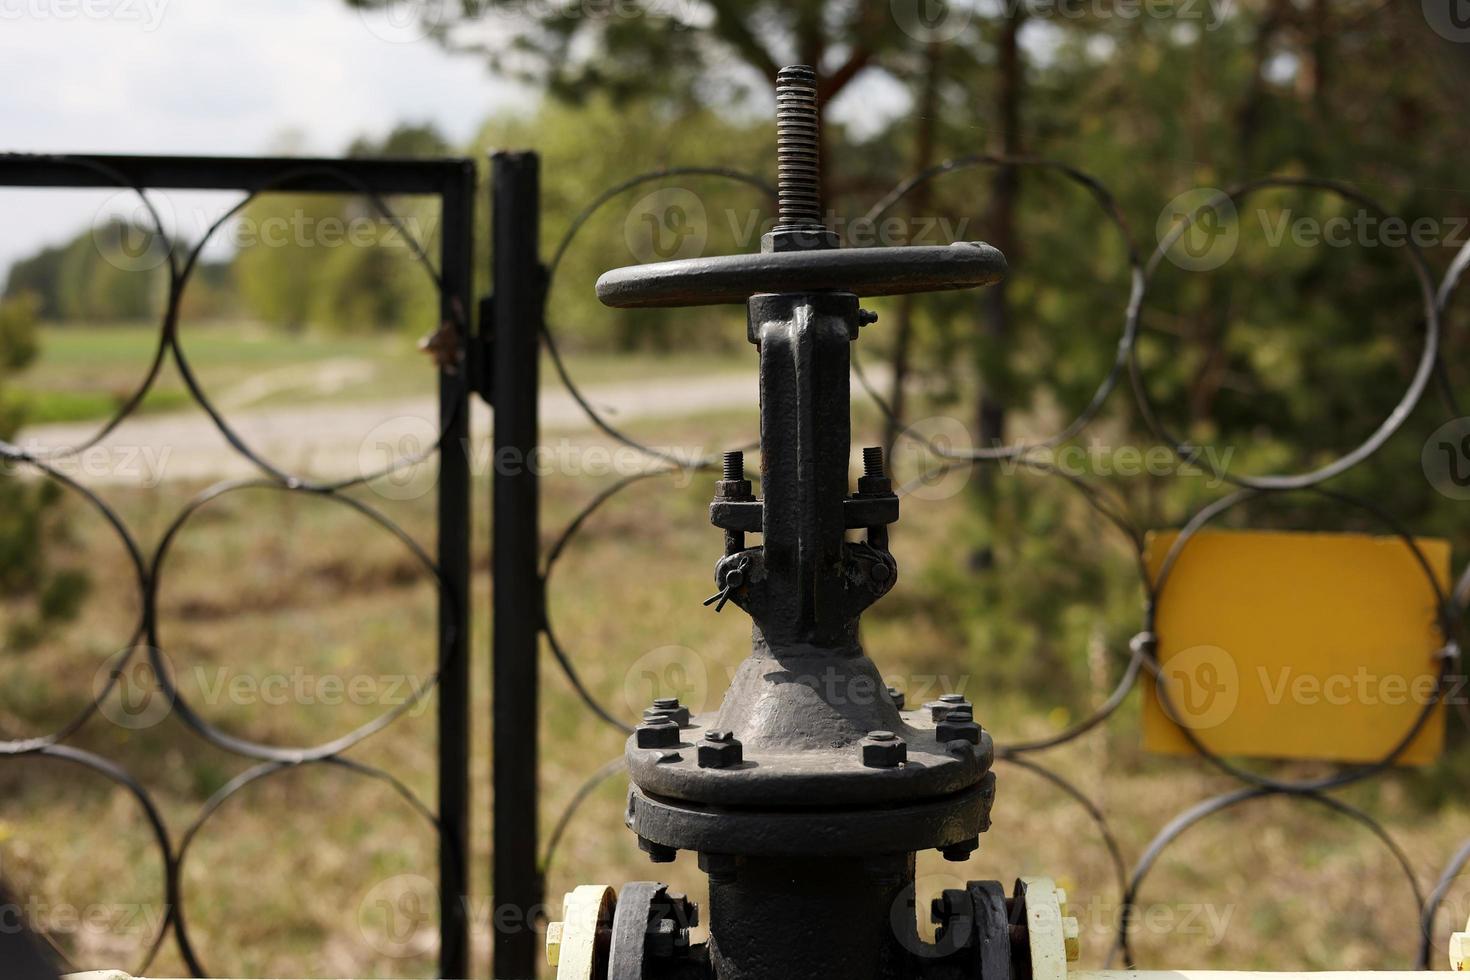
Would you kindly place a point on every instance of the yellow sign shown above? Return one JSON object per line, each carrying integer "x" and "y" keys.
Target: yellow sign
{"x": 1297, "y": 646}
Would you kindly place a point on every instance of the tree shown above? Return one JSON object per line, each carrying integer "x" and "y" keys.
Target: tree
{"x": 37, "y": 594}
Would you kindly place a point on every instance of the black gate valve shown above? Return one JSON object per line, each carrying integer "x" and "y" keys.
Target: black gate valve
{"x": 810, "y": 789}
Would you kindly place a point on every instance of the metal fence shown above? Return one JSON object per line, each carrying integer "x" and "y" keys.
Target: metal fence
{"x": 446, "y": 560}
{"x": 500, "y": 361}
{"x": 518, "y": 876}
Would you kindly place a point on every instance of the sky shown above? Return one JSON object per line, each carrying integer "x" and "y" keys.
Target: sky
{"x": 235, "y": 78}
{"x": 217, "y": 77}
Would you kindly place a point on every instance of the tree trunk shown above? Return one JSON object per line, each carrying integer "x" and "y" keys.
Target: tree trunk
{"x": 926, "y": 109}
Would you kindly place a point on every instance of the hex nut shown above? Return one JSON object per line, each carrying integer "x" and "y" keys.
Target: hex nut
{"x": 661, "y": 733}
{"x": 668, "y": 708}
{"x": 961, "y": 851}
{"x": 553, "y": 943}
{"x": 884, "y": 750}
{"x": 657, "y": 853}
{"x": 958, "y": 726}
{"x": 939, "y": 710}
{"x": 720, "y": 750}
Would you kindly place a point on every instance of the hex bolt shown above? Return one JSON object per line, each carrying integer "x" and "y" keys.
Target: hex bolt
{"x": 961, "y": 851}
{"x": 733, "y": 486}
{"x": 958, "y": 725}
{"x": 884, "y": 750}
{"x": 873, "y": 461}
{"x": 553, "y": 943}
{"x": 938, "y": 710}
{"x": 660, "y": 733}
{"x": 720, "y": 750}
{"x": 896, "y": 696}
{"x": 669, "y": 708}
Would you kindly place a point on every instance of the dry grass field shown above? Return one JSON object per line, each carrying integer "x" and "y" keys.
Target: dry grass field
{"x": 268, "y": 596}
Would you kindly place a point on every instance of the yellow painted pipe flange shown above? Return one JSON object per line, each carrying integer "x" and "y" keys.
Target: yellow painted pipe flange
{"x": 577, "y": 943}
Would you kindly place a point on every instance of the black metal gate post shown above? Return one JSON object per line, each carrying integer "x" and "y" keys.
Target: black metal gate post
{"x": 457, "y": 231}
{"x": 516, "y": 313}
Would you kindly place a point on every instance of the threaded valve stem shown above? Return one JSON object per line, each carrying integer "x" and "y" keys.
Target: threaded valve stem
{"x": 798, "y": 149}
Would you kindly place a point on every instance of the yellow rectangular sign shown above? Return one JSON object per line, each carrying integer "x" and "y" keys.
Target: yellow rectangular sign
{"x": 1294, "y": 645}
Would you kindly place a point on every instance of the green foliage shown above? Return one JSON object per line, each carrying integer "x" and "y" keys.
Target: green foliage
{"x": 590, "y": 148}
{"x": 336, "y": 262}
{"x": 29, "y": 509}
{"x": 110, "y": 272}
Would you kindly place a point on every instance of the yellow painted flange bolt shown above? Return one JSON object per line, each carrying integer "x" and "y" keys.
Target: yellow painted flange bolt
{"x": 553, "y": 943}
{"x": 1460, "y": 950}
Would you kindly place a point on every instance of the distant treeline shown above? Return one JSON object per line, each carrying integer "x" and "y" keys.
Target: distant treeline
{"x": 329, "y": 261}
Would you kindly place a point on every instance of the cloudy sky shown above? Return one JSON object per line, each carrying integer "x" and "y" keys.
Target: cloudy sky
{"x": 210, "y": 77}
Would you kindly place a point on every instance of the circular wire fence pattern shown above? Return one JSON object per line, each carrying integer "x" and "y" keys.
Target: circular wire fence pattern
{"x": 148, "y": 570}
{"x": 1143, "y": 653}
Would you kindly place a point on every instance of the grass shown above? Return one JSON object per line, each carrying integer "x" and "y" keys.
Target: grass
{"x": 320, "y": 872}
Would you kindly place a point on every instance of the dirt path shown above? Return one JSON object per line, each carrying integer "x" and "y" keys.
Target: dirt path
{"x": 337, "y": 440}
